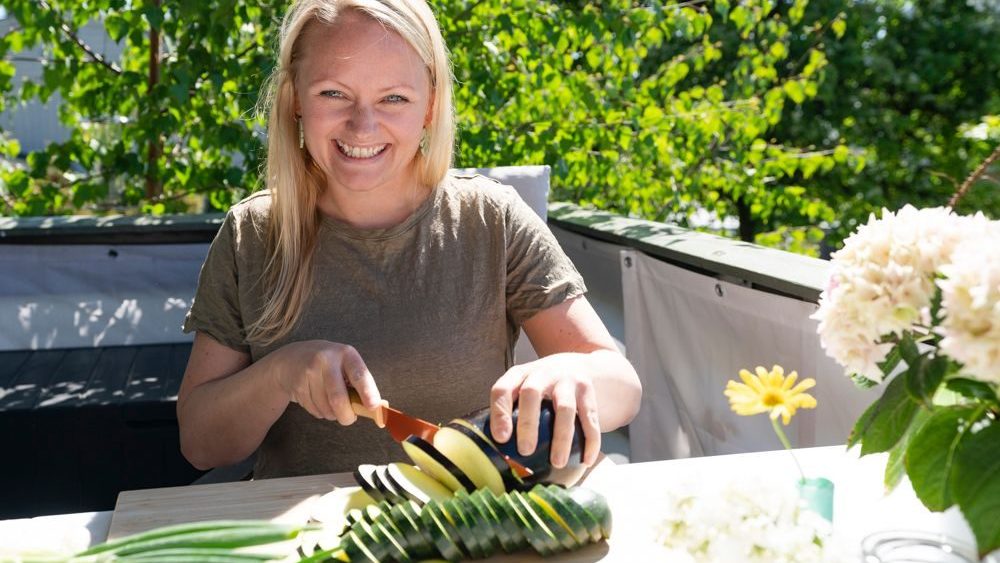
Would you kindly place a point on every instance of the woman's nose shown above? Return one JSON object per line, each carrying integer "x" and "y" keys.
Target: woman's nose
{"x": 362, "y": 119}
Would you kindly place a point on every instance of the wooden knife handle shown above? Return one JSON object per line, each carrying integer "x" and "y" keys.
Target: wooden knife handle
{"x": 378, "y": 414}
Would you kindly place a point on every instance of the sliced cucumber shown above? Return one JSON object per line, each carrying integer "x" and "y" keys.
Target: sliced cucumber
{"x": 415, "y": 484}
{"x": 548, "y": 537}
{"x": 414, "y": 540}
{"x": 466, "y": 455}
{"x": 482, "y": 520}
{"x": 507, "y": 532}
{"x": 442, "y": 533}
{"x": 467, "y": 532}
{"x": 436, "y": 465}
{"x": 589, "y": 521}
{"x": 595, "y": 505}
{"x": 554, "y": 522}
{"x": 397, "y": 553}
{"x": 531, "y": 530}
{"x": 567, "y": 516}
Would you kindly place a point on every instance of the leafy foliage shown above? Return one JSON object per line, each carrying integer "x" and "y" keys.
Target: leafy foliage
{"x": 143, "y": 136}
{"x": 788, "y": 115}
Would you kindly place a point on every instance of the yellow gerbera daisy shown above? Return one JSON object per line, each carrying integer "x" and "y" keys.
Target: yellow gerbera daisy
{"x": 770, "y": 391}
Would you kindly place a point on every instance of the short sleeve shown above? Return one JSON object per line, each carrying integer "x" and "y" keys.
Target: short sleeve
{"x": 216, "y": 307}
{"x": 539, "y": 274}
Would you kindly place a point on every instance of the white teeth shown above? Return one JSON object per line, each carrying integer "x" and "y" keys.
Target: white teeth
{"x": 360, "y": 152}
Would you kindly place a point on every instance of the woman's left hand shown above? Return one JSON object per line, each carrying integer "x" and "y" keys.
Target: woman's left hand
{"x": 564, "y": 378}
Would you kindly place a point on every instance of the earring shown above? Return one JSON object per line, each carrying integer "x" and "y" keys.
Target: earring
{"x": 302, "y": 135}
{"x": 425, "y": 141}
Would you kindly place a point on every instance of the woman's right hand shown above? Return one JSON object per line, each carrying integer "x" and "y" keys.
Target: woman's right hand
{"x": 316, "y": 374}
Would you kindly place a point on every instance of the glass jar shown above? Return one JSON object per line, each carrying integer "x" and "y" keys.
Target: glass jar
{"x": 912, "y": 546}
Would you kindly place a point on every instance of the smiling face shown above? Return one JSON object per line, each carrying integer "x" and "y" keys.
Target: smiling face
{"x": 364, "y": 96}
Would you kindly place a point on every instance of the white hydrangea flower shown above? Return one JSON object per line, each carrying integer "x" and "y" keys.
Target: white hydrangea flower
{"x": 883, "y": 282}
{"x": 970, "y": 298}
{"x": 730, "y": 521}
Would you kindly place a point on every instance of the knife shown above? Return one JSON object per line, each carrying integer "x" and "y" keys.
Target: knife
{"x": 401, "y": 426}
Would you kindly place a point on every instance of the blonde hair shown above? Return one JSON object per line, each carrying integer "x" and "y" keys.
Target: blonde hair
{"x": 295, "y": 181}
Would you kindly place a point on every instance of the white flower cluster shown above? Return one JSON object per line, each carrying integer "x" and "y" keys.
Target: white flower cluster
{"x": 970, "y": 298}
{"x": 883, "y": 282}
{"x": 727, "y": 522}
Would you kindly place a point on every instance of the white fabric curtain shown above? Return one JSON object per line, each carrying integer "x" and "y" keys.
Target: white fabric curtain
{"x": 688, "y": 334}
{"x": 67, "y": 296}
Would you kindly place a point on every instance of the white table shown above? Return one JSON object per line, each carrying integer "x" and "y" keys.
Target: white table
{"x": 860, "y": 506}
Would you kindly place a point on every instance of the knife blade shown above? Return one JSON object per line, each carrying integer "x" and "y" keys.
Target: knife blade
{"x": 401, "y": 426}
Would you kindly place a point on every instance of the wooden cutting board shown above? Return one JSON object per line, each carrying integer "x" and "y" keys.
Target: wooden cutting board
{"x": 280, "y": 500}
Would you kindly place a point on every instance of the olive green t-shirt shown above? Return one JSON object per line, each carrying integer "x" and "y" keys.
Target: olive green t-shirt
{"x": 433, "y": 305}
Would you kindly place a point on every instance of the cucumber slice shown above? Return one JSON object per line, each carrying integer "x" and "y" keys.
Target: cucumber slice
{"x": 414, "y": 540}
{"x": 554, "y": 522}
{"x": 355, "y": 515}
{"x": 397, "y": 553}
{"x": 464, "y": 453}
{"x": 567, "y": 517}
{"x": 364, "y": 476}
{"x": 442, "y": 534}
{"x": 484, "y": 520}
{"x": 415, "y": 484}
{"x": 531, "y": 532}
{"x": 507, "y": 532}
{"x": 551, "y": 542}
{"x": 589, "y": 521}
{"x": 470, "y": 536}
{"x": 377, "y": 544}
{"x": 436, "y": 465}
{"x": 595, "y": 505}
{"x": 356, "y": 549}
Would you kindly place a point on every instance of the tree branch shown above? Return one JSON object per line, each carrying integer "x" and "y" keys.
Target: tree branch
{"x": 68, "y": 32}
{"x": 979, "y": 171}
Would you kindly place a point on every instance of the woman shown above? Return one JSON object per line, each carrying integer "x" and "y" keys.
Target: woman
{"x": 365, "y": 264}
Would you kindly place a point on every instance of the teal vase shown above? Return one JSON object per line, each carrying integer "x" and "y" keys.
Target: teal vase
{"x": 817, "y": 492}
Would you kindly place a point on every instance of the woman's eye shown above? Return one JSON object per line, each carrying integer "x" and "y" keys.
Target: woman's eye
{"x": 332, "y": 94}
{"x": 395, "y": 99}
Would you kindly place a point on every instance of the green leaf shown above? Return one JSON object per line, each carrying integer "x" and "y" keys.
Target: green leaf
{"x": 795, "y": 91}
{"x": 930, "y": 455}
{"x": 923, "y": 379}
{"x": 862, "y": 381}
{"x": 973, "y": 389}
{"x": 882, "y": 425}
{"x": 839, "y": 26}
{"x": 895, "y": 467}
{"x": 908, "y": 350}
{"x": 976, "y": 485}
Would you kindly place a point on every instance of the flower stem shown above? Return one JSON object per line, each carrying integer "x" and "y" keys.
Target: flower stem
{"x": 787, "y": 444}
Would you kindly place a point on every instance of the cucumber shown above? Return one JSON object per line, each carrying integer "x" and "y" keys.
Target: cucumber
{"x": 568, "y": 516}
{"x": 466, "y": 533}
{"x": 547, "y": 536}
{"x": 589, "y": 521}
{"x": 374, "y": 541}
{"x": 595, "y": 505}
{"x": 506, "y": 529}
{"x": 415, "y": 542}
{"x": 397, "y": 553}
{"x": 556, "y": 524}
{"x": 442, "y": 534}
{"x": 482, "y": 525}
